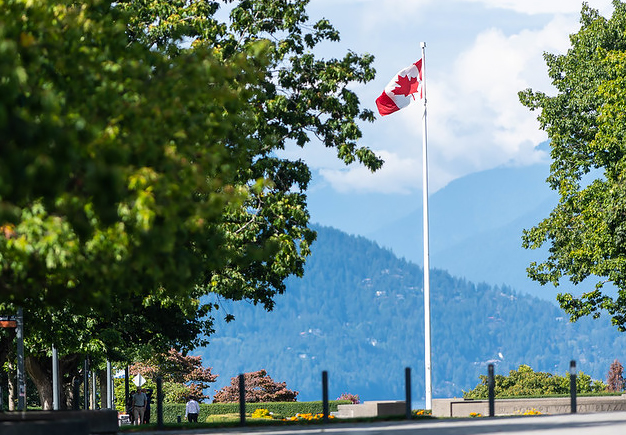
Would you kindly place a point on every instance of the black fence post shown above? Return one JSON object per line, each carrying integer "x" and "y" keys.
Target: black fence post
{"x": 407, "y": 392}
{"x": 491, "y": 382}
{"x": 242, "y": 400}
{"x": 76, "y": 394}
{"x": 127, "y": 388}
{"x": 572, "y": 385}
{"x": 86, "y": 383}
{"x": 325, "y": 395}
{"x": 159, "y": 382}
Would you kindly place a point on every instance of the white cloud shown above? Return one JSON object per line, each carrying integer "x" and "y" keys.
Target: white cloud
{"x": 480, "y": 54}
{"x": 476, "y": 117}
{"x": 398, "y": 175}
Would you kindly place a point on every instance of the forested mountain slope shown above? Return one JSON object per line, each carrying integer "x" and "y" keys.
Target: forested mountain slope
{"x": 476, "y": 226}
{"x": 358, "y": 313}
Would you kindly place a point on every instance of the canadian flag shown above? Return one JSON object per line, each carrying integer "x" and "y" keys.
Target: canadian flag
{"x": 401, "y": 90}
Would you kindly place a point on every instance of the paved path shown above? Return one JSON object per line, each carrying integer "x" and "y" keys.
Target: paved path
{"x": 610, "y": 423}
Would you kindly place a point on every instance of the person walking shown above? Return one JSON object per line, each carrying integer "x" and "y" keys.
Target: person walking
{"x": 146, "y": 416}
{"x": 192, "y": 410}
{"x": 140, "y": 400}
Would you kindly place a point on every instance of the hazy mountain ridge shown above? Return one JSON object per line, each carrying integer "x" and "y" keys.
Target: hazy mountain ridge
{"x": 476, "y": 222}
{"x": 476, "y": 225}
{"x": 358, "y": 313}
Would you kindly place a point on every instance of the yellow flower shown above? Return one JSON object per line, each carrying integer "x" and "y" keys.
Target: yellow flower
{"x": 531, "y": 411}
{"x": 261, "y": 413}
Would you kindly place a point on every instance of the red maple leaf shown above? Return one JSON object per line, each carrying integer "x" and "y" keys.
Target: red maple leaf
{"x": 406, "y": 85}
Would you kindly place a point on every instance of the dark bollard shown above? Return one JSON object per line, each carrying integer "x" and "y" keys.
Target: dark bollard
{"x": 159, "y": 386}
{"x": 325, "y": 395}
{"x": 407, "y": 391}
{"x": 572, "y": 385}
{"x": 76, "y": 397}
{"x": 126, "y": 387}
{"x": 178, "y": 419}
{"x": 242, "y": 401}
{"x": 491, "y": 382}
{"x": 86, "y": 383}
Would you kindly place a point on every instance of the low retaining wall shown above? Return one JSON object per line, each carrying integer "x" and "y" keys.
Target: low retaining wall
{"x": 558, "y": 405}
{"x": 371, "y": 409}
{"x": 44, "y": 427}
{"x": 96, "y": 422}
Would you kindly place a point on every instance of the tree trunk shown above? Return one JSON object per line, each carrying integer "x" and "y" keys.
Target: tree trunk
{"x": 12, "y": 381}
{"x": 104, "y": 391}
{"x": 40, "y": 371}
{"x": 7, "y": 356}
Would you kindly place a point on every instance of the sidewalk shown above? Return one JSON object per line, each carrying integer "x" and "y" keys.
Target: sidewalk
{"x": 609, "y": 423}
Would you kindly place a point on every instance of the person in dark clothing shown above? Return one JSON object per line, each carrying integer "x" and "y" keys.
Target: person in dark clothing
{"x": 129, "y": 409}
{"x": 146, "y": 416}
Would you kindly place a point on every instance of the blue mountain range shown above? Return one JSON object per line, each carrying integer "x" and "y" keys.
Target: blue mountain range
{"x": 358, "y": 313}
{"x": 476, "y": 224}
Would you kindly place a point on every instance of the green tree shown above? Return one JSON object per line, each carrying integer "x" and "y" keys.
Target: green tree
{"x": 300, "y": 97}
{"x": 585, "y": 232}
{"x": 139, "y": 167}
{"x": 116, "y": 167}
{"x": 116, "y": 170}
{"x": 526, "y": 382}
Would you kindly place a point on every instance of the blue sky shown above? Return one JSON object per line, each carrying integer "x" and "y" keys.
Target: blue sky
{"x": 479, "y": 54}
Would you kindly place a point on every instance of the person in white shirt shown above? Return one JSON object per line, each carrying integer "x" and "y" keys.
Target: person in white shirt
{"x": 192, "y": 410}
{"x": 140, "y": 400}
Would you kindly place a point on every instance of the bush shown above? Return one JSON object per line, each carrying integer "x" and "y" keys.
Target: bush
{"x": 353, "y": 398}
{"x": 526, "y": 382}
{"x": 615, "y": 378}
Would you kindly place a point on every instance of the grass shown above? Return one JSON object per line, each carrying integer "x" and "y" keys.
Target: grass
{"x": 232, "y": 420}
{"x": 223, "y": 418}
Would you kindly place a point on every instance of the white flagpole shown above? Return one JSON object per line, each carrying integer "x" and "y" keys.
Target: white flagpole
{"x": 427, "y": 344}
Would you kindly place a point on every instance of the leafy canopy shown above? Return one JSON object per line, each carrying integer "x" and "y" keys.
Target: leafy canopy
{"x": 115, "y": 167}
{"x": 140, "y": 166}
{"x": 301, "y": 97}
{"x": 586, "y": 231}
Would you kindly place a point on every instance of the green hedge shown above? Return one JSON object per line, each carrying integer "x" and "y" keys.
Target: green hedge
{"x": 286, "y": 409}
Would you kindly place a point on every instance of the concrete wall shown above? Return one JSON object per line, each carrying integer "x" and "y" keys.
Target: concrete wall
{"x": 93, "y": 422}
{"x": 41, "y": 427}
{"x": 560, "y": 405}
{"x": 371, "y": 409}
